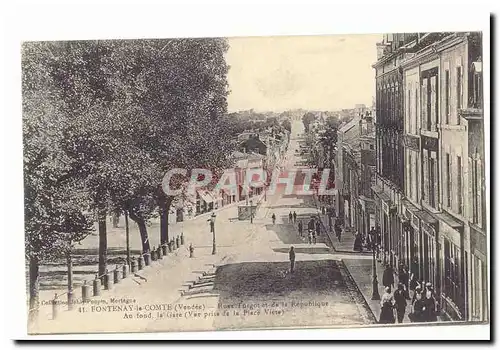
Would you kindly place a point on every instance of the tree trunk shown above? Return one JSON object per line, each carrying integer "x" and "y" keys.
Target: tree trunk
{"x": 103, "y": 241}
{"x": 34, "y": 285}
{"x": 127, "y": 232}
{"x": 165, "y": 204}
{"x": 141, "y": 223}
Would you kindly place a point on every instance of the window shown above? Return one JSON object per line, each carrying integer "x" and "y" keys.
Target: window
{"x": 452, "y": 273}
{"x": 410, "y": 172}
{"x": 415, "y": 117}
{"x": 459, "y": 92}
{"x": 425, "y": 194}
{"x": 478, "y": 290}
{"x": 477, "y": 88}
{"x": 459, "y": 185}
{"x": 432, "y": 182}
{"x": 409, "y": 116}
{"x": 424, "y": 104}
{"x": 448, "y": 180}
{"x": 477, "y": 193}
{"x": 417, "y": 172}
{"x": 433, "y": 103}
{"x": 447, "y": 96}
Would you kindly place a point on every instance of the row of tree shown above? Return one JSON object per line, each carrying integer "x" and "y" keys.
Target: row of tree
{"x": 250, "y": 120}
{"x": 102, "y": 123}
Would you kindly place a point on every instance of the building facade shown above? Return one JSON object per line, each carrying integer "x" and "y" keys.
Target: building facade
{"x": 389, "y": 184}
{"x": 437, "y": 226}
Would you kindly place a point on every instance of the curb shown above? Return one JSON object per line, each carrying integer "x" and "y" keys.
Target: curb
{"x": 365, "y": 304}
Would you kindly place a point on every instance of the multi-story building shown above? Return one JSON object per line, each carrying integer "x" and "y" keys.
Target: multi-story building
{"x": 367, "y": 167}
{"x": 389, "y": 184}
{"x": 441, "y": 202}
{"x": 346, "y": 171}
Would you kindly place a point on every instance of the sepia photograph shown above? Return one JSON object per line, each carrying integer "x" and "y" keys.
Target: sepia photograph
{"x": 181, "y": 185}
{"x": 236, "y": 181}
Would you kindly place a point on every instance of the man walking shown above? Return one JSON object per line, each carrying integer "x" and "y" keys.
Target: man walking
{"x": 318, "y": 228}
{"x": 338, "y": 231}
{"x": 300, "y": 228}
{"x": 388, "y": 276}
{"x": 290, "y": 217}
{"x": 291, "y": 255}
{"x": 294, "y": 217}
{"x": 400, "y": 302}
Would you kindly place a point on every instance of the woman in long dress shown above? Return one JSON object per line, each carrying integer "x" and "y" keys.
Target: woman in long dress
{"x": 387, "y": 311}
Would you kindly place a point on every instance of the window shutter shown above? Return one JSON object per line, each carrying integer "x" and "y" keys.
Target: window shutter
{"x": 479, "y": 193}
{"x": 470, "y": 190}
{"x": 426, "y": 177}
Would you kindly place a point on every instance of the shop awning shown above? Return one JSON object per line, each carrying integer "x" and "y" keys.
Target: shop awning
{"x": 377, "y": 189}
{"x": 409, "y": 205}
{"x": 257, "y": 184}
{"x": 385, "y": 197}
{"x": 206, "y": 196}
{"x": 450, "y": 221}
{"x": 426, "y": 217}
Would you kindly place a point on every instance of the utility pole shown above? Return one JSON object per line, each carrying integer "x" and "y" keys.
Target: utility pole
{"x": 375, "y": 293}
{"x": 212, "y": 228}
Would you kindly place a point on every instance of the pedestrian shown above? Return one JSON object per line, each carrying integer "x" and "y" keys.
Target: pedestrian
{"x": 310, "y": 225}
{"x": 294, "y": 217}
{"x": 191, "y": 250}
{"x": 338, "y": 231}
{"x": 387, "y": 307}
{"x": 400, "y": 302}
{"x": 300, "y": 228}
{"x": 314, "y": 237}
{"x": 290, "y": 217}
{"x": 418, "y": 306}
{"x": 291, "y": 254}
{"x": 388, "y": 276}
{"x": 404, "y": 279}
{"x": 274, "y": 218}
{"x": 358, "y": 247}
{"x": 309, "y": 236}
{"x": 430, "y": 314}
{"x": 318, "y": 228}
{"x": 413, "y": 283}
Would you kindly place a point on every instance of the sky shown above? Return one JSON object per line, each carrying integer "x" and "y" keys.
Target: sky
{"x": 309, "y": 72}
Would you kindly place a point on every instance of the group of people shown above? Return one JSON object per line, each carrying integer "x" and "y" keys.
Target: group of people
{"x": 313, "y": 230}
{"x": 423, "y": 301}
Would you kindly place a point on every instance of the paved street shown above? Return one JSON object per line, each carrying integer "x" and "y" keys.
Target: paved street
{"x": 246, "y": 285}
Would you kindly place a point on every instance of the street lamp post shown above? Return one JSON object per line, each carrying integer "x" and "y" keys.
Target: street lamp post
{"x": 375, "y": 293}
{"x": 251, "y": 211}
{"x": 212, "y": 229}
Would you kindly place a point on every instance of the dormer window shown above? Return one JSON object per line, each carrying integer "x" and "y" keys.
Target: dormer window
{"x": 476, "y": 96}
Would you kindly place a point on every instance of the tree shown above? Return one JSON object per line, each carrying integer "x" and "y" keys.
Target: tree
{"x": 287, "y": 125}
{"x": 56, "y": 204}
{"x": 307, "y": 119}
{"x": 183, "y": 92}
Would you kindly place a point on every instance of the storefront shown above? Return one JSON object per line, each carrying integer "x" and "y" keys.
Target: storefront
{"x": 478, "y": 296}
{"x": 204, "y": 202}
{"x": 454, "y": 289}
{"x": 428, "y": 247}
{"x": 410, "y": 238}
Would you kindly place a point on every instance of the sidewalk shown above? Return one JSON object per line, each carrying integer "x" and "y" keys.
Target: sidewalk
{"x": 361, "y": 272}
{"x": 162, "y": 281}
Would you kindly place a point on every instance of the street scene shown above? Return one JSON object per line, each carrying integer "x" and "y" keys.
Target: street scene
{"x": 157, "y": 199}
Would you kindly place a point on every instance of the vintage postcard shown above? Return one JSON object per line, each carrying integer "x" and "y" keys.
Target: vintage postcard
{"x": 201, "y": 184}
